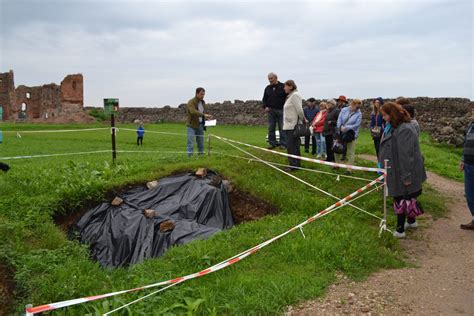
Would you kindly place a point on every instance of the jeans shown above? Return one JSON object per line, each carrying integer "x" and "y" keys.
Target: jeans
{"x": 313, "y": 145}
{"x": 197, "y": 133}
{"x": 321, "y": 141}
{"x": 139, "y": 140}
{"x": 275, "y": 117}
{"x": 293, "y": 148}
{"x": 469, "y": 186}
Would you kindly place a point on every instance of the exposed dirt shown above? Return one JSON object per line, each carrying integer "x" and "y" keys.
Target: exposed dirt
{"x": 441, "y": 283}
{"x": 7, "y": 285}
{"x": 246, "y": 207}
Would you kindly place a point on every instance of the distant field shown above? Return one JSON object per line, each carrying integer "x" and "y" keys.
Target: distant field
{"x": 48, "y": 267}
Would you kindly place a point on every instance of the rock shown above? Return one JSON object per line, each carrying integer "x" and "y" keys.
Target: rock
{"x": 229, "y": 187}
{"x": 152, "y": 184}
{"x": 201, "y": 172}
{"x": 167, "y": 226}
{"x": 116, "y": 201}
{"x": 149, "y": 213}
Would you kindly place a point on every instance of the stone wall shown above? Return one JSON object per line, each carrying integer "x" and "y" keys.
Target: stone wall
{"x": 444, "y": 118}
{"x": 41, "y": 103}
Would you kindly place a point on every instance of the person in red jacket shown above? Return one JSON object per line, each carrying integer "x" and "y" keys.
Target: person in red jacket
{"x": 318, "y": 127}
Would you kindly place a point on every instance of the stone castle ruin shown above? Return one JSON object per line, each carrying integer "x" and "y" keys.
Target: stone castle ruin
{"x": 46, "y": 103}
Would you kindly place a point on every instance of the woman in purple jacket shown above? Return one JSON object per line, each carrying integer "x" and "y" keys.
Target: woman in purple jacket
{"x": 377, "y": 123}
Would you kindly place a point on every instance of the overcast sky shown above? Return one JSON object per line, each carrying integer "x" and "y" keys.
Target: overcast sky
{"x": 155, "y": 53}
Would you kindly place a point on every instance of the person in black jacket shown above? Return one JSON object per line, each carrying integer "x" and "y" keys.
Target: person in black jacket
{"x": 274, "y": 97}
{"x": 329, "y": 130}
{"x": 4, "y": 167}
{"x": 467, "y": 165}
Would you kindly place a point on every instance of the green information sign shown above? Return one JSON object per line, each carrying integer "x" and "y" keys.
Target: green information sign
{"x": 1, "y": 113}
{"x": 111, "y": 106}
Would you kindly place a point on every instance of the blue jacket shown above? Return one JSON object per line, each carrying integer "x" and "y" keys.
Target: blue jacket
{"x": 310, "y": 114}
{"x": 353, "y": 122}
{"x": 140, "y": 131}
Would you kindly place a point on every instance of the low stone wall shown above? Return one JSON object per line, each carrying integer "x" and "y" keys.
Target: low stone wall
{"x": 444, "y": 118}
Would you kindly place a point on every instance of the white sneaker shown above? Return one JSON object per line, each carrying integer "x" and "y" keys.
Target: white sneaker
{"x": 399, "y": 235}
{"x": 412, "y": 225}
{"x": 318, "y": 156}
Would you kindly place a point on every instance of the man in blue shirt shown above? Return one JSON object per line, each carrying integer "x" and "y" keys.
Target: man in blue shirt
{"x": 140, "y": 133}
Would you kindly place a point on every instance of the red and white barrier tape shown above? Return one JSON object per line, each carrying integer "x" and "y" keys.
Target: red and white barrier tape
{"x": 224, "y": 264}
{"x": 327, "y": 163}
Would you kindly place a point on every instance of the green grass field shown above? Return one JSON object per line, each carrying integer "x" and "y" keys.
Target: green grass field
{"x": 48, "y": 267}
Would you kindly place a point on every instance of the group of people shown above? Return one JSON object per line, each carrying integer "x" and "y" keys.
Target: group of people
{"x": 334, "y": 128}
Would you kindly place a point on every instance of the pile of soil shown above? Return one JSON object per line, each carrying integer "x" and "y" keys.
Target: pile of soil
{"x": 7, "y": 286}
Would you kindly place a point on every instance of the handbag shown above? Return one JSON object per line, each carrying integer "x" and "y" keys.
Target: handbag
{"x": 349, "y": 135}
{"x": 302, "y": 130}
{"x": 339, "y": 147}
{"x": 375, "y": 131}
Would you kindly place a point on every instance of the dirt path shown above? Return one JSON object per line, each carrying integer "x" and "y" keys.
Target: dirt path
{"x": 441, "y": 284}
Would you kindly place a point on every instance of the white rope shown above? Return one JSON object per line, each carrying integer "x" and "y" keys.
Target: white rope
{"x": 142, "y": 298}
{"x": 58, "y": 130}
{"x": 300, "y": 168}
{"x": 298, "y": 179}
{"x": 163, "y": 133}
{"x": 55, "y": 155}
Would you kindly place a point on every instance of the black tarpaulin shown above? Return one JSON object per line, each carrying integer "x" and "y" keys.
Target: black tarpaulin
{"x": 122, "y": 235}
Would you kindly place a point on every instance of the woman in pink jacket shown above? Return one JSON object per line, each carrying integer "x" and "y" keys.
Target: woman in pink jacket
{"x": 318, "y": 126}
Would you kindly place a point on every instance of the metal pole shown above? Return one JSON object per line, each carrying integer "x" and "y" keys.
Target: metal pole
{"x": 385, "y": 191}
{"x": 209, "y": 144}
{"x": 112, "y": 123}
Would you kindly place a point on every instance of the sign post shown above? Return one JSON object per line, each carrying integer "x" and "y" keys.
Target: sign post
{"x": 111, "y": 106}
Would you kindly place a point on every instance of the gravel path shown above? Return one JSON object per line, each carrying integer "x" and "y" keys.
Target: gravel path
{"x": 442, "y": 283}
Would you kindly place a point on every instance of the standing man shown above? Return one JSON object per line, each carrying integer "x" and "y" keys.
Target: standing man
{"x": 274, "y": 98}
{"x": 310, "y": 112}
{"x": 341, "y": 102}
{"x": 467, "y": 165}
{"x": 196, "y": 115}
{"x": 332, "y": 115}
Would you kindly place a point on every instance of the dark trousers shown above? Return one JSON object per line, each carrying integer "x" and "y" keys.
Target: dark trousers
{"x": 402, "y": 217}
{"x": 276, "y": 117}
{"x": 313, "y": 145}
{"x": 376, "y": 145}
{"x": 329, "y": 152}
{"x": 139, "y": 140}
{"x": 469, "y": 186}
{"x": 293, "y": 148}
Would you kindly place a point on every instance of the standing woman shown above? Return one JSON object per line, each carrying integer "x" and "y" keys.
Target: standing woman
{"x": 348, "y": 124}
{"x": 292, "y": 114}
{"x": 332, "y": 113}
{"x": 399, "y": 145}
{"x": 318, "y": 126}
{"x": 377, "y": 123}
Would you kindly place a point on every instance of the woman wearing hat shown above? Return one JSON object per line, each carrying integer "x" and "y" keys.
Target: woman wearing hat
{"x": 341, "y": 101}
{"x": 292, "y": 114}
{"x": 348, "y": 125}
{"x": 377, "y": 123}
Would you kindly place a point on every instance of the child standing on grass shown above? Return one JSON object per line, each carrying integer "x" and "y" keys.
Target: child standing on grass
{"x": 140, "y": 133}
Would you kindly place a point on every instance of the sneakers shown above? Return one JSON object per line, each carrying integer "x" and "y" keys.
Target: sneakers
{"x": 412, "y": 225}
{"x": 469, "y": 226}
{"x": 399, "y": 235}
{"x": 318, "y": 156}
